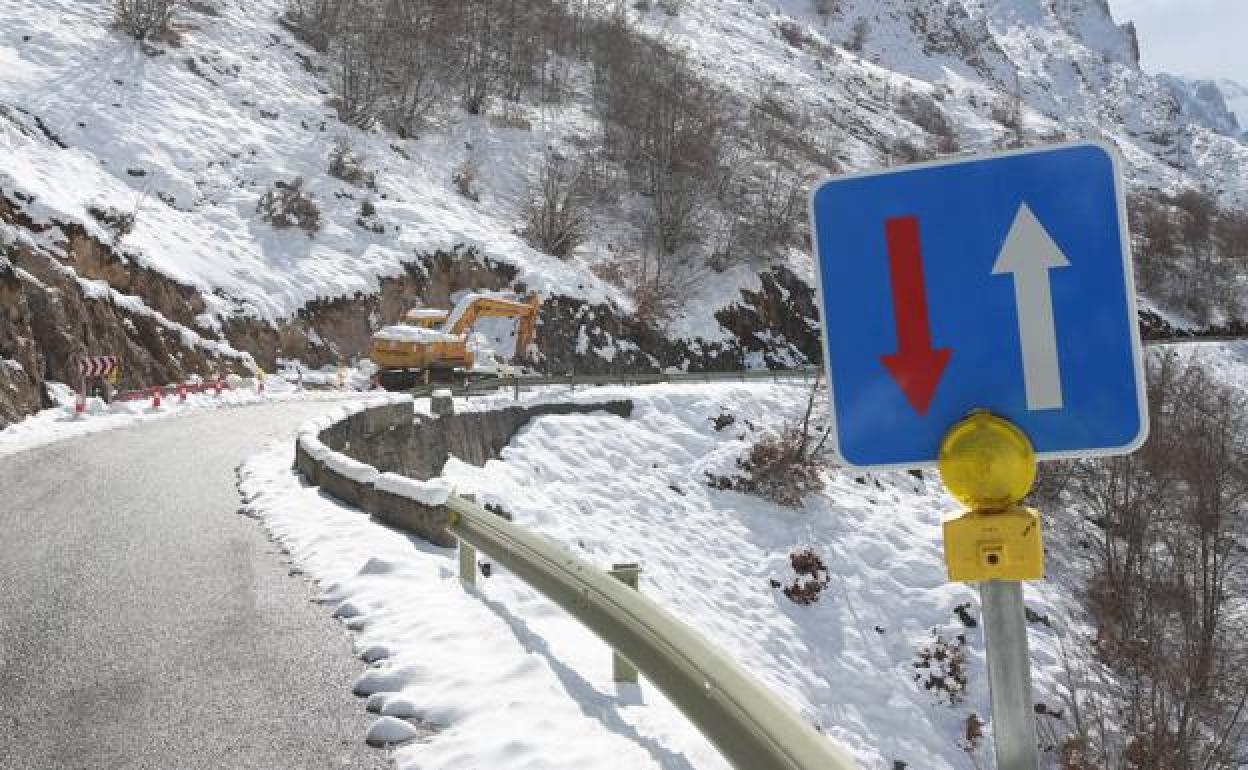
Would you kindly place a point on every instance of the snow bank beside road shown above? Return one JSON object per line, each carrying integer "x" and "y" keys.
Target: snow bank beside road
{"x": 60, "y": 422}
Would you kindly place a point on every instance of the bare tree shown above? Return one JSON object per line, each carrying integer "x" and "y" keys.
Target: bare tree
{"x": 557, "y": 217}
{"x": 1166, "y": 526}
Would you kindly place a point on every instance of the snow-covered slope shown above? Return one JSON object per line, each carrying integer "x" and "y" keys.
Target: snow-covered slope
{"x": 1074, "y": 68}
{"x": 1205, "y": 102}
{"x": 496, "y": 671}
{"x": 190, "y": 139}
{"x": 1236, "y": 95}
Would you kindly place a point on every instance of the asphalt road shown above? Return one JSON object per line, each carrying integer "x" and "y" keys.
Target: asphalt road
{"x": 146, "y": 624}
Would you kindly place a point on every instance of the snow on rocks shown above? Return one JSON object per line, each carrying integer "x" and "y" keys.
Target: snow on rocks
{"x": 432, "y": 492}
{"x": 359, "y": 472}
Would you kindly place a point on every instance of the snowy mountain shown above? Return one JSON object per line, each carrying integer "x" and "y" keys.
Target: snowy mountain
{"x": 1207, "y": 102}
{"x": 1236, "y": 95}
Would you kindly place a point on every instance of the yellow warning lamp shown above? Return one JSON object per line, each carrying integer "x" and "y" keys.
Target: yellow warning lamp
{"x": 988, "y": 465}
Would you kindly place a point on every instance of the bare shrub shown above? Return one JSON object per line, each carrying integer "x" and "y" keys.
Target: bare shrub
{"x": 827, "y": 7}
{"x": 347, "y": 166}
{"x": 357, "y": 81}
{"x": 120, "y": 223}
{"x": 941, "y": 668}
{"x": 768, "y": 208}
{"x": 793, "y": 33}
{"x": 858, "y": 36}
{"x": 314, "y": 21}
{"x": 1231, "y": 233}
{"x": 368, "y": 218}
{"x": 901, "y": 151}
{"x": 778, "y": 468}
{"x": 144, "y": 18}
{"x": 655, "y": 302}
{"x": 923, "y": 111}
{"x": 1008, "y": 111}
{"x": 664, "y": 125}
{"x": 287, "y": 205}
{"x": 1165, "y": 528}
{"x": 783, "y": 467}
{"x": 466, "y": 179}
{"x": 811, "y": 577}
{"x": 557, "y": 217}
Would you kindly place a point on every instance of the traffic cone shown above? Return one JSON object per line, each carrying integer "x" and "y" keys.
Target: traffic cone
{"x": 156, "y": 398}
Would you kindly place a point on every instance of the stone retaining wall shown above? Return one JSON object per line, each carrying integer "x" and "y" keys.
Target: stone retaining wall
{"x": 347, "y": 452}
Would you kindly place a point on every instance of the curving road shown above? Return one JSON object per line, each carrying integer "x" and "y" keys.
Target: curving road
{"x": 145, "y": 624}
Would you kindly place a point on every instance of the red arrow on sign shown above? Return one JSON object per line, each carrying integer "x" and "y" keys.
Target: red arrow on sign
{"x": 916, "y": 367}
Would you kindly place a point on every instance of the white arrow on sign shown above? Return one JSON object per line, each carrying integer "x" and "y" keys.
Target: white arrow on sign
{"x": 1029, "y": 253}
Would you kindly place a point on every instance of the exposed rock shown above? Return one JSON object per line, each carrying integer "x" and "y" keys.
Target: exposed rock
{"x": 339, "y": 329}
{"x": 781, "y": 321}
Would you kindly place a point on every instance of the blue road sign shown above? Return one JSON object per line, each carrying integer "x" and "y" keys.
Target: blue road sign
{"x": 999, "y": 282}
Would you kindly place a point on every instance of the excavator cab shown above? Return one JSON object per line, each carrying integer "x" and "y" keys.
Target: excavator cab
{"x": 426, "y": 317}
{"x": 432, "y": 345}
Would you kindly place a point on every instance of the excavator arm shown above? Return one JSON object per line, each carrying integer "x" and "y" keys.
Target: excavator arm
{"x": 478, "y": 306}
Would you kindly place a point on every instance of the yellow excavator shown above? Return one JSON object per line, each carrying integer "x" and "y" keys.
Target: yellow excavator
{"x": 434, "y": 345}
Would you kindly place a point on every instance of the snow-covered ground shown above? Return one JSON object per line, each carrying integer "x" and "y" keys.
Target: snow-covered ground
{"x": 510, "y": 681}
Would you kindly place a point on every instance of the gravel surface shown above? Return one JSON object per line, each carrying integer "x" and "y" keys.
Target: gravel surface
{"x": 144, "y": 623}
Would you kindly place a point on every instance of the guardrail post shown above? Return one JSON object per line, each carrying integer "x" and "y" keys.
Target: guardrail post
{"x": 467, "y": 564}
{"x": 442, "y": 403}
{"x": 621, "y": 669}
{"x": 467, "y": 556}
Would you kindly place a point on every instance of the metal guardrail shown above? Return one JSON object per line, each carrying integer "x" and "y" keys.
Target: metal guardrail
{"x": 1192, "y": 339}
{"x": 489, "y": 385}
{"x": 751, "y": 726}
{"x": 492, "y": 384}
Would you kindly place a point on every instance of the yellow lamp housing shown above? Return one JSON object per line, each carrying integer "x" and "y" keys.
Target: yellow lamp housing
{"x": 987, "y": 463}
{"x": 1001, "y": 545}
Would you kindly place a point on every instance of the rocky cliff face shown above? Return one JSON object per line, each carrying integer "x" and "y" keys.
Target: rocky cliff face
{"x": 50, "y": 314}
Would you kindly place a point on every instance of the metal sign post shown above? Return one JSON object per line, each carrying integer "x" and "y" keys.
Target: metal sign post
{"x": 1009, "y": 674}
